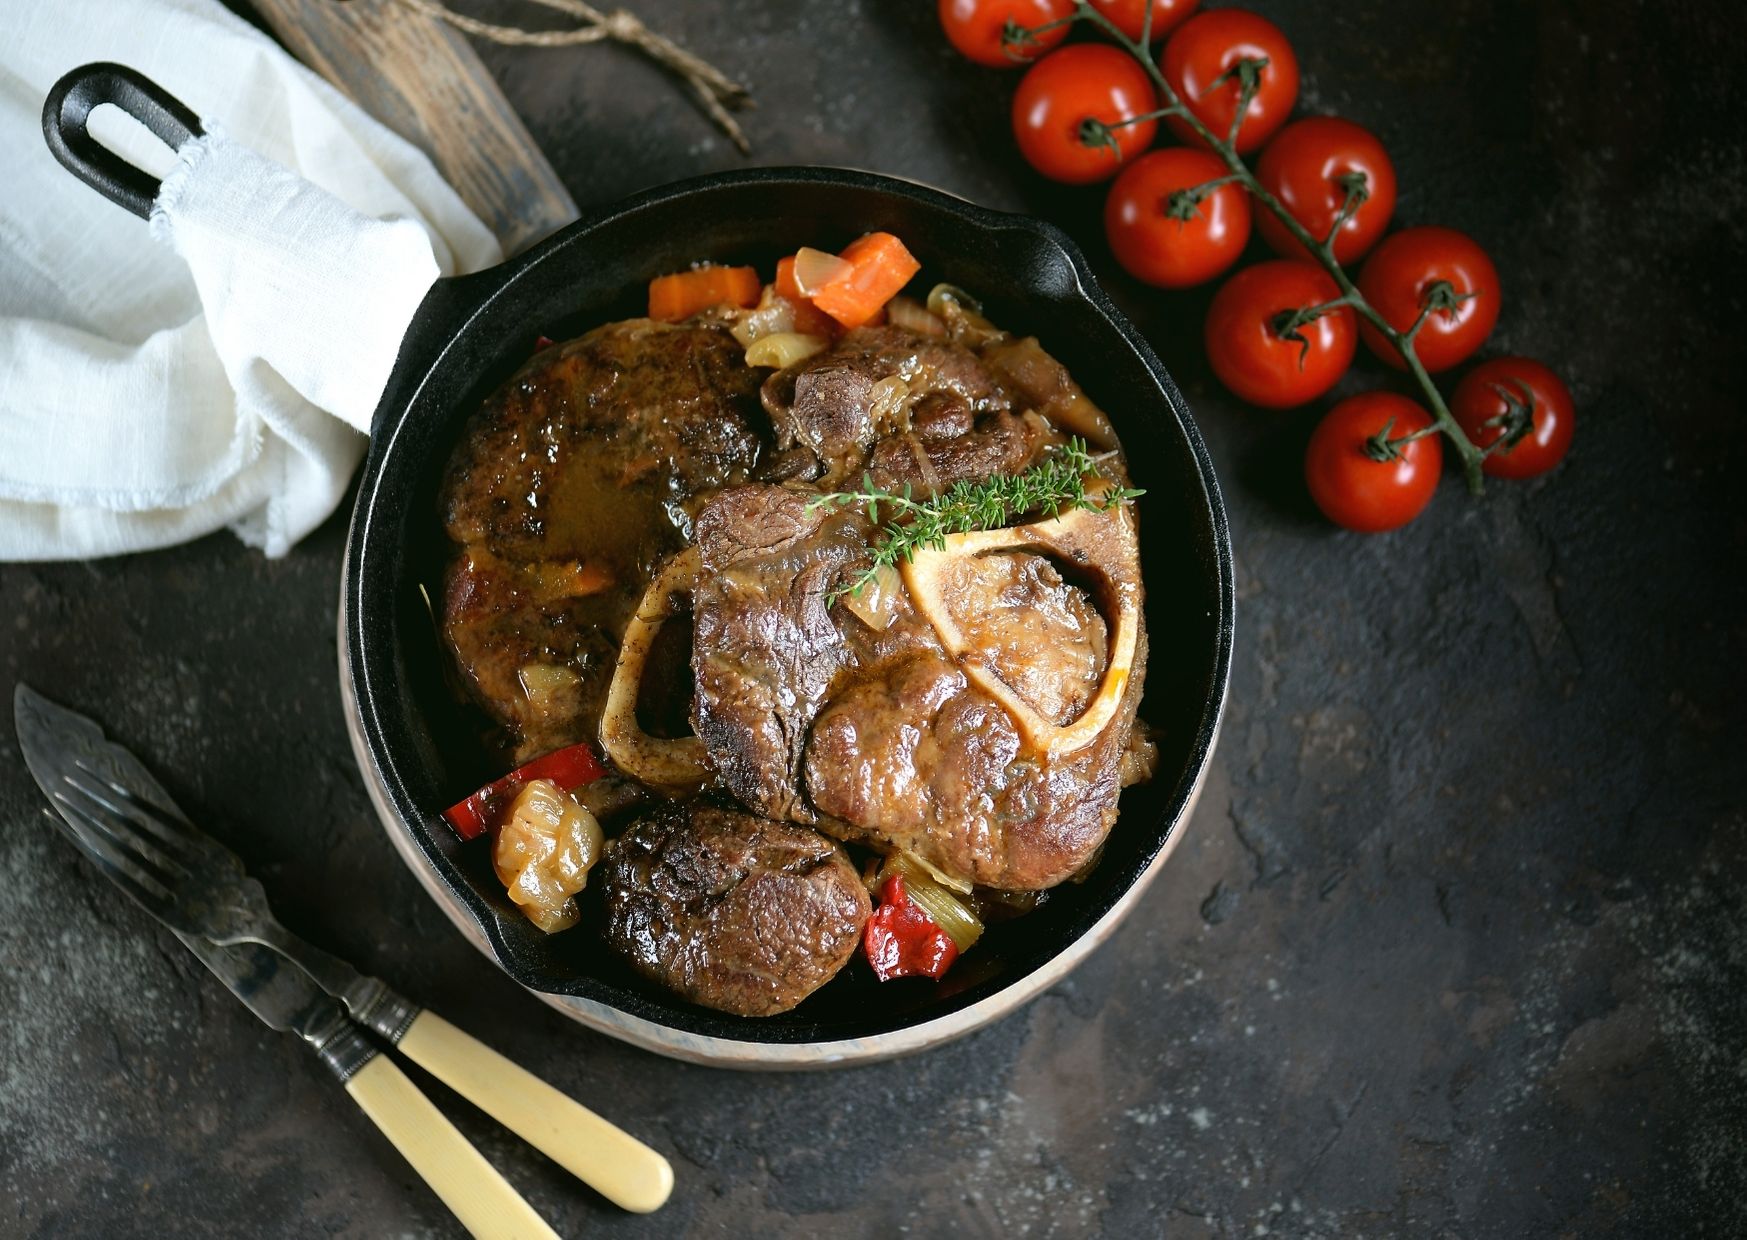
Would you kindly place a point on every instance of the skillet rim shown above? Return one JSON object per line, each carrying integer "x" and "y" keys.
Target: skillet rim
{"x": 446, "y": 321}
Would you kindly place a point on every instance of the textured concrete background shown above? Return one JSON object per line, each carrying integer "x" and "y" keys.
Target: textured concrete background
{"x": 1456, "y": 943}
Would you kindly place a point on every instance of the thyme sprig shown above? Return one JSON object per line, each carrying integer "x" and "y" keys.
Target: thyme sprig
{"x": 1054, "y": 485}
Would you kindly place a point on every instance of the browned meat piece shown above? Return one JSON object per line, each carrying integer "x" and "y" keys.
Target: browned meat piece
{"x": 997, "y": 443}
{"x": 796, "y": 464}
{"x": 661, "y": 411}
{"x": 832, "y": 412}
{"x": 566, "y": 489}
{"x": 538, "y": 664}
{"x": 809, "y": 714}
{"x": 926, "y": 364}
{"x": 913, "y": 756}
{"x": 941, "y": 416}
{"x": 733, "y": 912}
{"x": 767, "y": 565}
{"x": 831, "y": 403}
{"x": 1037, "y": 381}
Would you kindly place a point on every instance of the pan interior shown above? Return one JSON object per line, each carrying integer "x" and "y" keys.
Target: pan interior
{"x": 475, "y": 332}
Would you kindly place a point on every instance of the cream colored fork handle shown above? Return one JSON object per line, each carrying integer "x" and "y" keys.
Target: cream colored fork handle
{"x": 614, "y": 1163}
{"x": 479, "y": 1197}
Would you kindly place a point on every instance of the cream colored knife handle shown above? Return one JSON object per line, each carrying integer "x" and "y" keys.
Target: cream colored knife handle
{"x": 480, "y": 1198}
{"x": 614, "y": 1163}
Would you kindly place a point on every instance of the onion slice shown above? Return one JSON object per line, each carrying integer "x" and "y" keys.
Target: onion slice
{"x": 676, "y": 764}
{"x": 773, "y": 314}
{"x": 951, "y": 882}
{"x": 963, "y": 316}
{"x": 877, "y": 602}
{"x": 912, "y": 315}
{"x": 546, "y": 684}
{"x": 814, "y": 269}
{"x": 543, "y": 853}
{"x": 780, "y": 350}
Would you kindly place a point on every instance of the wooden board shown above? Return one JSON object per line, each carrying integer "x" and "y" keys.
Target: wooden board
{"x": 423, "y": 80}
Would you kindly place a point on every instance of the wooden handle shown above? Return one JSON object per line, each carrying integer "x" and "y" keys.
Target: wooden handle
{"x": 479, "y": 1197}
{"x": 425, "y": 82}
{"x": 614, "y": 1163}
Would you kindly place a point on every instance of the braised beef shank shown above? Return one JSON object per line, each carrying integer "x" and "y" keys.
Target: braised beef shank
{"x": 904, "y": 407}
{"x": 572, "y": 481}
{"x": 811, "y": 714}
{"x": 729, "y": 910}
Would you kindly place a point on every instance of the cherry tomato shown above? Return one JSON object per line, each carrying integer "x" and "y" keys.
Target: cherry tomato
{"x": 1088, "y": 81}
{"x": 1248, "y": 351}
{"x": 1196, "y": 62}
{"x": 1155, "y": 246}
{"x": 974, "y": 27}
{"x": 1305, "y": 166}
{"x": 1129, "y": 15}
{"x": 1490, "y": 391}
{"x": 1399, "y": 277}
{"x": 1352, "y": 487}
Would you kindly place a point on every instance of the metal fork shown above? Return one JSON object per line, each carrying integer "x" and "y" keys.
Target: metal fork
{"x": 194, "y": 884}
{"x": 122, "y": 819}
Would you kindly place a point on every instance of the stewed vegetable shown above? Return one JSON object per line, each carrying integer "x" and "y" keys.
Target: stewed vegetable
{"x": 921, "y": 926}
{"x": 543, "y": 853}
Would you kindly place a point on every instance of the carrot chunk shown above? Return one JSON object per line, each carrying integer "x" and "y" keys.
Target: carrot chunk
{"x": 786, "y": 285}
{"x": 585, "y": 578}
{"x": 685, "y": 293}
{"x": 809, "y": 321}
{"x": 879, "y": 267}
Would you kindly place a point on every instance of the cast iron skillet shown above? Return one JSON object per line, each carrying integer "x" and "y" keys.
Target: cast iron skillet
{"x": 473, "y": 331}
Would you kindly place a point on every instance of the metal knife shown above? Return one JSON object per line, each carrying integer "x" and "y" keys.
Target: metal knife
{"x": 125, "y": 822}
{"x": 480, "y": 1198}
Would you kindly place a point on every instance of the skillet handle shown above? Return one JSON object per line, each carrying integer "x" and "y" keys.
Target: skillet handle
{"x": 66, "y": 115}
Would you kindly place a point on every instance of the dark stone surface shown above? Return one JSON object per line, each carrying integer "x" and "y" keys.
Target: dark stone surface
{"x": 1456, "y": 942}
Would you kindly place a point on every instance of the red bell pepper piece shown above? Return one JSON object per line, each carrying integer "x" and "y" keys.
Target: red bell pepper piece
{"x": 570, "y": 768}
{"x": 903, "y": 941}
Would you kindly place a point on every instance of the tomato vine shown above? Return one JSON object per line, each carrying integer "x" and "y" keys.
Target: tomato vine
{"x": 1439, "y": 297}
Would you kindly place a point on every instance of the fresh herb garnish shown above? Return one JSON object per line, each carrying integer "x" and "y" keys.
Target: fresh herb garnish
{"x": 1054, "y": 485}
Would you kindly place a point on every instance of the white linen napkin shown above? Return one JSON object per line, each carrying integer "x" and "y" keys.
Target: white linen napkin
{"x": 151, "y": 393}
